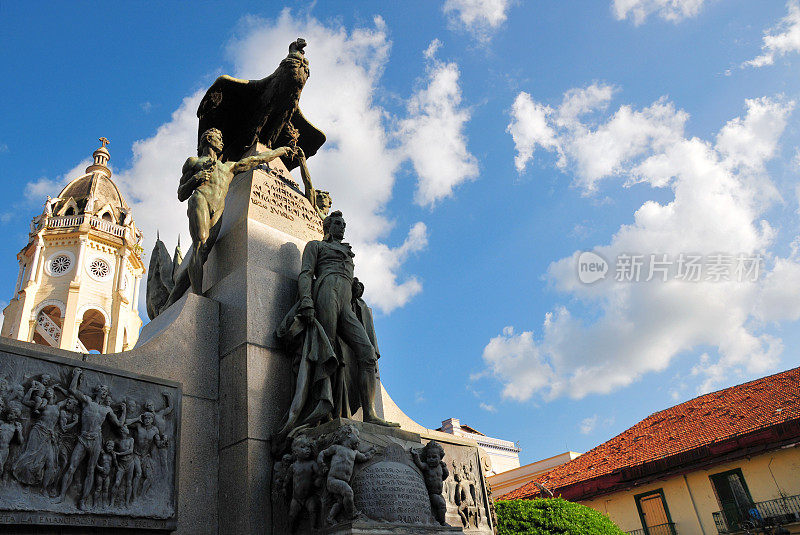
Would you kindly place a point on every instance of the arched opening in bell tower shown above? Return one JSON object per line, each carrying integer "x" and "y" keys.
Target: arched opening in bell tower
{"x": 91, "y": 333}
{"x": 48, "y": 326}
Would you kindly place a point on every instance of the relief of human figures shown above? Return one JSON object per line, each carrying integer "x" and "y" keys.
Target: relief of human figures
{"x": 37, "y": 465}
{"x": 466, "y": 497}
{"x": 80, "y": 449}
{"x": 10, "y": 431}
{"x": 146, "y": 438}
{"x": 94, "y": 412}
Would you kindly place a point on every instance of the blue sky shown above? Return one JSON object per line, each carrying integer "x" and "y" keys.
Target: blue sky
{"x": 476, "y": 149}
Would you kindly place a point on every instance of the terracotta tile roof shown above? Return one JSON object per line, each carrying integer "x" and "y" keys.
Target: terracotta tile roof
{"x": 702, "y": 421}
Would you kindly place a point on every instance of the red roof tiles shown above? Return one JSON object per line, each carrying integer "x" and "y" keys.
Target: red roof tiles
{"x": 685, "y": 433}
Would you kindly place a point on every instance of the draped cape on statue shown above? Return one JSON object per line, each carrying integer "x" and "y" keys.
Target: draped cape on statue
{"x": 322, "y": 374}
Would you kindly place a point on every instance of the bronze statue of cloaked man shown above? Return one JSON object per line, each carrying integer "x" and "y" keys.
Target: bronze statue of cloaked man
{"x": 335, "y": 357}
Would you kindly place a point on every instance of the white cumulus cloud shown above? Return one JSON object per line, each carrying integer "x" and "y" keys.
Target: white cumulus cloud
{"x": 479, "y": 17}
{"x": 432, "y": 135}
{"x": 783, "y": 39}
{"x": 671, "y": 10}
{"x": 721, "y": 192}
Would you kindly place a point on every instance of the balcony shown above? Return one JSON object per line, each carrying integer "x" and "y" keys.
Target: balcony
{"x": 760, "y": 514}
{"x": 77, "y": 220}
{"x": 659, "y": 529}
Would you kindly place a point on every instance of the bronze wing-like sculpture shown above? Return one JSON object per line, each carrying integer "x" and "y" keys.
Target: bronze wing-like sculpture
{"x": 265, "y": 111}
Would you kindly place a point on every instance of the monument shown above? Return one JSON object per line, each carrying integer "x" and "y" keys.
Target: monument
{"x": 269, "y": 416}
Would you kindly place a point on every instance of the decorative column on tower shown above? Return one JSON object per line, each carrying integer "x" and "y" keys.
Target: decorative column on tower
{"x": 78, "y": 270}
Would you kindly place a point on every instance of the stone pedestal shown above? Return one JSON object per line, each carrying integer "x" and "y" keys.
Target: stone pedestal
{"x": 252, "y": 273}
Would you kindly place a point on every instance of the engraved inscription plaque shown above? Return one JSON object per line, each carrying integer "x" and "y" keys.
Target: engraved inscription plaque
{"x": 393, "y": 492}
{"x": 276, "y": 201}
{"x": 86, "y": 445}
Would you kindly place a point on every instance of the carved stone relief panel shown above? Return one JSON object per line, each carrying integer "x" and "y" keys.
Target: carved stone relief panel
{"x": 86, "y": 445}
{"x": 464, "y": 489}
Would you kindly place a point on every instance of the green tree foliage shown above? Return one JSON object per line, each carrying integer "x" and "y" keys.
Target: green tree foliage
{"x": 551, "y": 516}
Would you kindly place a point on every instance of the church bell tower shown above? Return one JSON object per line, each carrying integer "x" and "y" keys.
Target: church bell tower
{"x": 79, "y": 274}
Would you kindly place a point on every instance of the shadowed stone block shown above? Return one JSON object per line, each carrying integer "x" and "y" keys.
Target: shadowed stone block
{"x": 252, "y": 303}
{"x": 244, "y": 476}
{"x": 255, "y": 384}
{"x": 199, "y": 468}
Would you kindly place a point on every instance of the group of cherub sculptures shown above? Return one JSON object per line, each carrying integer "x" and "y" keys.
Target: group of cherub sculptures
{"x": 312, "y": 483}
{"x": 45, "y": 443}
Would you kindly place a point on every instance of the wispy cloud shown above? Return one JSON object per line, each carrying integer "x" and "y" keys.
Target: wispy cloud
{"x": 783, "y": 39}
{"x": 671, "y": 10}
{"x": 481, "y": 18}
{"x": 36, "y": 191}
{"x": 488, "y": 407}
{"x": 588, "y": 424}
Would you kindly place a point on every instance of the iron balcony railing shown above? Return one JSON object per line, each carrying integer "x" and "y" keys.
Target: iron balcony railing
{"x": 769, "y": 513}
{"x": 659, "y": 529}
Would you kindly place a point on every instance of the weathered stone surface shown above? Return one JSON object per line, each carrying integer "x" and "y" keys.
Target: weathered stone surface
{"x": 68, "y": 411}
{"x": 245, "y": 472}
{"x": 255, "y": 383}
{"x": 199, "y": 468}
{"x": 276, "y": 202}
{"x": 392, "y": 491}
{"x": 251, "y": 302}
